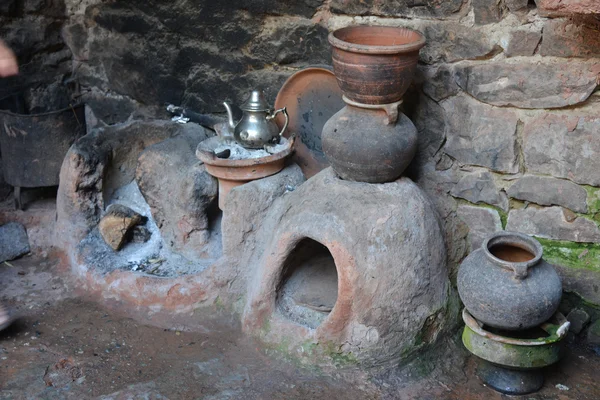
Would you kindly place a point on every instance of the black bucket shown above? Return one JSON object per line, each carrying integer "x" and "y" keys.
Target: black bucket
{"x": 34, "y": 145}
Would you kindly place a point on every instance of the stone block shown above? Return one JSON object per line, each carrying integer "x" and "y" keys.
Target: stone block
{"x": 578, "y": 319}
{"x": 548, "y": 191}
{"x": 528, "y": 85}
{"x": 477, "y": 134}
{"x": 438, "y": 82}
{"x": 554, "y": 8}
{"x": 13, "y": 241}
{"x": 516, "y": 5}
{"x": 481, "y": 221}
{"x": 563, "y": 146}
{"x": 178, "y": 190}
{"x": 450, "y": 42}
{"x": 571, "y": 38}
{"x": 116, "y": 225}
{"x": 486, "y": 11}
{"x": 522, "y": 43}
{"x": 593, "y": 335}
{"x": 398, "y": 8}
{"x": 479, "y": 187}
{"x": 551, "y": 223}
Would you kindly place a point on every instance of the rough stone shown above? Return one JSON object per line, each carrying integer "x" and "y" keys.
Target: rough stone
{"x": 438, "y": 82}
{"x": 522, "y": 43}
{"x": 548, "y": 191}
{"x": 140, "y": 234}
{"x": 13, "y": 241}
{"x": 527, "y": 85}
{"x": 554, "y": 8}
{"x": 179, "y": 190}
{"x": 551, "y": 223}
{"x": 478, "y": 134}
{"x": 571, "y": 38}
{"x": 593, "y": 335}
{"x": 451, "y": 42}
{"x": 291, "y": 40}
{"x": 516, "y": 5}
{"x": 486, "y": 11}
{"x": 578, "y": 319}
{"x": 563, "y": 146}
{"x": 374, "y": 319}
{"x": 479, "y": 187}
{"x": 428, "y": 117}
{"x": 97, "y": 165}
{"x": 401, "y": 8}
{"x": 116, "y": 224}
{"x": 481, "y": 221}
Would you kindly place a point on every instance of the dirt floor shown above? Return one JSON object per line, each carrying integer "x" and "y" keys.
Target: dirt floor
{"x": 68, "y": 347}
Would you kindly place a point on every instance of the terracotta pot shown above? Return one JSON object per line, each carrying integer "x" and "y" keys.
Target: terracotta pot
{"x": 506, "y": 284}
{"x": 368, "y": 145}
{"x": 375, "y": 64}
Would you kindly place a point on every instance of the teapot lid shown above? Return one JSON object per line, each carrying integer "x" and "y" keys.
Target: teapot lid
{"x": 256, "y": 102}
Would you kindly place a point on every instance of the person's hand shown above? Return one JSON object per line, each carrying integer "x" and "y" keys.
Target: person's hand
{"x": 8, "y": 61}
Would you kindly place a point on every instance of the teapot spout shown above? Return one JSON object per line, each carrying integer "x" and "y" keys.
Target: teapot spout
{"x": 230, "y": 121}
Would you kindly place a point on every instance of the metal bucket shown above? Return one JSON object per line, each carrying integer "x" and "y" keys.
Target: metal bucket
{"x": 34, "y": 145}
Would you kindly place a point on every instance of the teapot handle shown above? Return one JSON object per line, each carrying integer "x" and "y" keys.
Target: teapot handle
{"x": 287, "y": 118}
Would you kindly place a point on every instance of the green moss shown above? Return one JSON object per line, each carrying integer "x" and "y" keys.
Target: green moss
{"x": 572, "y": 254}
{"x": 593, "y": 199}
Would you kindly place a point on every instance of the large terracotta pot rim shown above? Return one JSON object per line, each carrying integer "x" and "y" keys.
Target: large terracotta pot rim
{"x": 514, "y": 239}
{"x": 385, "y": 38}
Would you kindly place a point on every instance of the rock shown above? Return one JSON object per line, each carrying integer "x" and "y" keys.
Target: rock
{"x": 97, "y": 165}
{"x": 438, "y": 82}
{"x": 578, "y": 319}
{"x": 140, "y": 234}
{"x": 399, "y": 8}
{"x": 116, "y": 224}
{"x": 557, "y": 8}
{"x": 528, "y": 85}
{"x": 449, "y": 41}
{"x": 486, "y": 11}
{"x": 516, "y": 5}
{"x": 477, "y": 134}
{"x": 428, "y": 117}
{"x": 479, "y": 187}
{"x": 571, "y": 38}
{"x": 522, "y": 43}
{"x": 548, "y": 191}
{"x": 481, "y": 221}
{"x": 377, "y": 318}
{"x": 63, "y": 374}
{"x": 551, "y": 223}
{"x": 593, "y": 335}
{"x": 179, "y": 191}
{"x": 289, "y": 40}
{"x": 563, "y": 146}
{"x": 13, "y": 241}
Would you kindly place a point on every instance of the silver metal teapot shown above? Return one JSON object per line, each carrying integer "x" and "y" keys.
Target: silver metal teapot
{"x": 257, "y": 126}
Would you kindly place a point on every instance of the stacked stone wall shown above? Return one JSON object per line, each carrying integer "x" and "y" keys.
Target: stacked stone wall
{"x": 506, "y": 100}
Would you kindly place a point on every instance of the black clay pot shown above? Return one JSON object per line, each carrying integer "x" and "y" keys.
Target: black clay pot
{"x": 507, "y": 285}
{"x": 366, "y": 145}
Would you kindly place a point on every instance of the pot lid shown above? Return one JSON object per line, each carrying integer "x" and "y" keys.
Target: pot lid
{"x": 256, "y": 102}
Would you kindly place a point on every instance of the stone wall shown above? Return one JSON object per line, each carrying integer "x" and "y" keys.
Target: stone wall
{"x": 506, "y": 100}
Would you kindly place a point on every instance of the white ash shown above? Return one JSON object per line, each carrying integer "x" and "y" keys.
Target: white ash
{"x": 151, "y": 257}
{"x": 239, "y": 152}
